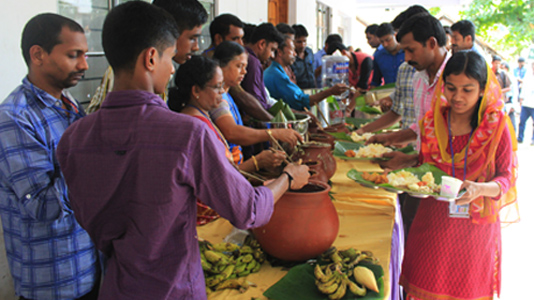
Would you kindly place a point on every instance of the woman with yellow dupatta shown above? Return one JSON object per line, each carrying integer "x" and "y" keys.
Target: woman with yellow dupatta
{"x": 452, "y": 254}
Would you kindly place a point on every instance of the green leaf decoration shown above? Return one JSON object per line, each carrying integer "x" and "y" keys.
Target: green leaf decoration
{"x": 299, "y": 283}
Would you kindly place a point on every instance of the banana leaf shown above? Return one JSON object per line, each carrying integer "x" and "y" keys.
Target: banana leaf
{"x": 369, "y": 110}
{"x": 340, "y": 136}
{"x": 279, "y": 117}
{"x": 332, "y": 103}
{"x": 290, "y": 116}
{"x": 341, "y": 147}
{"x": 358, "y": 122}
{"x": 278, "y": 106}
{"x": 419, "y": 171}
{"x": 385, "y": 86}
{"x": 299, "y": 283}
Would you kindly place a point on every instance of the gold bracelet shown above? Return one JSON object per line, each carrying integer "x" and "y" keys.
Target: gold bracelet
{"x": 255, "y": 163}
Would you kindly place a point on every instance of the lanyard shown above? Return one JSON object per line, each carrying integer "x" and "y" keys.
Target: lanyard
{"x": 452, "y": 150}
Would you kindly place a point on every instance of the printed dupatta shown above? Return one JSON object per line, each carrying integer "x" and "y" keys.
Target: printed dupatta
{"x": 482, "y": 147}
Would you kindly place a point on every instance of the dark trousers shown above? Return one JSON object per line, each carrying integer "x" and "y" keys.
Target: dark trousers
{"x": 409, "y": 207}
{"x": 92, "y": 295}
{"x": 526, "y": 113}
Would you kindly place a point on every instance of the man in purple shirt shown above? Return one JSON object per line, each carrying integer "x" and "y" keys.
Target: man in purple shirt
{"x": 263, "y": 44}
{"x": 135, "y": 169}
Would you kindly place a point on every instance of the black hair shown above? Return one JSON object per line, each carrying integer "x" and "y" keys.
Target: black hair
{"x": 198, "y": 71}
{"x": 226, "y": 52}
{"x": 44, "y": 30}
{"x": 284, "y": 42}
{"x": 423, "y": 26}
{"x": 332, "y": 38}
{"x": 447, "y": 29}
{"x": 473, "y": 66}
{"x": 284, "y": 28}
{"x": 300, "y": 31}
{"x": 465, "y": 28}
{"x": 371, "y": 29}
{"x": 249, "y": 31}
{"x": 405, "y": 15}
{"x": 385, "y": 29}
{"x": 132, "y": 27}
{"x": 267, "y": 32}
{"x": 495, "y": 58}
{"x": 335, "y": 46}
{"x": 188, "y": 14}
{"x": 221, "y": 25}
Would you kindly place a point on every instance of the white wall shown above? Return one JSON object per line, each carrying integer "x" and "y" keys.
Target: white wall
{"x": 13, "y": 16}
{"x": 254, "y": 12}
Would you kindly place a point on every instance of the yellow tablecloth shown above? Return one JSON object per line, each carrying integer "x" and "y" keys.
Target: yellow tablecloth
{"x": 366, "y": 219}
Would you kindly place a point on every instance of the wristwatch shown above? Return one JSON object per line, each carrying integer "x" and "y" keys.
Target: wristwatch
{"x": 290, "y": 179}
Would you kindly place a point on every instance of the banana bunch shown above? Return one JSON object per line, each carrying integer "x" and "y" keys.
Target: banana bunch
{"x": 333, "y": 279}
{"x": 225, "y": 263}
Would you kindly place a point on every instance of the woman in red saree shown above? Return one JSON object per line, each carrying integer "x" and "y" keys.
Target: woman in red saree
{"x": 467, "y": 135}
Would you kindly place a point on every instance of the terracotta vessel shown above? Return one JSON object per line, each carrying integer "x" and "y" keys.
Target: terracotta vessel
{"x": 317, "y": 171}
{"x": 304, "y": 224}
{"x": 323, "y": 138}
{"x": 315, "y": 151}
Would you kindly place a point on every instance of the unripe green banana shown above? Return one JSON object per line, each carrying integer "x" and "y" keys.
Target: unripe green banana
{"x": 229, "y": 284}
{"x": 257, "y": 268}
{"x": 246, "y": 258}
{"x": 251, "y": 265}
{"x": 228, "y": 271}
{"x": 319, "y": 275}
{"x": 213, "y": 257}
{"x": 240, "y": 268}
{"x": 225, "y": 247}
{"x": 340, "y": 292}
{"x": 355, "y": 289}
{"x": 206, "y": 266}
{"x": 246, "y": 250}
{"x": 243, "y": 274}
{"x": 328, "y": 287}
{"x": 214, "y": 280}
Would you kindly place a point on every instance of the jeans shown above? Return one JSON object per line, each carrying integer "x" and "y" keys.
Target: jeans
{"x": 526, "y": 112}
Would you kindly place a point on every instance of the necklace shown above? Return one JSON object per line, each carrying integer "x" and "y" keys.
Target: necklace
{"x": 451, "y": 139}
{"x": 219, "y": 133}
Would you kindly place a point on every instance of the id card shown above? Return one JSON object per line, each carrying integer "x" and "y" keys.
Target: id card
{"x": 458, "y": 211}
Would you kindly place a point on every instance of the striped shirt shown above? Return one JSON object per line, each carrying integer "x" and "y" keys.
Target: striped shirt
{"x": 424, "y": 92}
{"x": 402, "y": 97}
{"x": 50, "y": 256}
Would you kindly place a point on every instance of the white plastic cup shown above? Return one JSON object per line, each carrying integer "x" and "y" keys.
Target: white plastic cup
{"x": 450, "y": 186}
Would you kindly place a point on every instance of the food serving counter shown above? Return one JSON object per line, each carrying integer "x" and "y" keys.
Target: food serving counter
{"x": 368, "y": 220}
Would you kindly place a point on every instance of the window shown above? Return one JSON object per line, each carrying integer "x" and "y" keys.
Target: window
{"x": 323, "y": 23}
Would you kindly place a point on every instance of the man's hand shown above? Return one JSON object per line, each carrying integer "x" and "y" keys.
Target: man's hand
{"x": 300, "y": 175}
{"x": 383, "y": 139}
{"x": 384, "y": 103}
{"x": 338, "y": 89}
{"x": 399, "y": 160}
{"x": 269, "y": 159}
{"x": 289, "y": 136}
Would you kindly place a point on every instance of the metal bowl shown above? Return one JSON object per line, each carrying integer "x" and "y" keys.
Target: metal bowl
{"x": 300, "y": 125}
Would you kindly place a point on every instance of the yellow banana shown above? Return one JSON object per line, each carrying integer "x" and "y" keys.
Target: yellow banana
{"x": 225, "y": 247}
{"x": 213, "y": 257}
{"x": 329, "y": 286}
{"x": 340, "y": 292}
{"x": 214, "y": 280}
{"x": 229, "y": 284}
{"x": 319, "y": 275}
{"x": 354, "y": 288}
{"x": 327, "y": 289}
{"x": 335, "y": 257}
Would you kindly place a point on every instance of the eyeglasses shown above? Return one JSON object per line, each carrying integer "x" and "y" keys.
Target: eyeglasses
{"x": 219, "y": 87}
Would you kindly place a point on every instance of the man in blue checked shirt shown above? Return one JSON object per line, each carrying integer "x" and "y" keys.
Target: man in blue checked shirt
{"x": 50, "y": 256}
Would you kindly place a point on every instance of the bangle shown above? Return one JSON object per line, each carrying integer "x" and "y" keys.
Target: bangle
{"x": 289, "y": 178}
{"x": 255, "y": 163}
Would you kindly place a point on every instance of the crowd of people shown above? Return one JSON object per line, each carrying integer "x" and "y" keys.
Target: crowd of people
{"x": 104, "y": 205}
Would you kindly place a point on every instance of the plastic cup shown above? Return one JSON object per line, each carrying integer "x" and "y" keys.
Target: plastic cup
{"x": 450, "y": 186}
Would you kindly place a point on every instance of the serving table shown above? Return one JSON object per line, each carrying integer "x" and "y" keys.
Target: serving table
{"x": 368, "y": 220}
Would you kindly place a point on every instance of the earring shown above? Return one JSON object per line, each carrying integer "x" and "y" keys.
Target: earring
{"x": 198, "y": 96}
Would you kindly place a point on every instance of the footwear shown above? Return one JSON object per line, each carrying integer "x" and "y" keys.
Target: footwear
{"x": 520, "y": 142}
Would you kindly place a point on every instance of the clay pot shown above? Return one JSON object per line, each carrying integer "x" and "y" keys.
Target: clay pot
{"x": 317, "y": 172}
{"x": 317, "y": 152}
{"x": 336, "y": 128}
{"x": 323, "y": 138}
{"x": 304, "y": 224}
